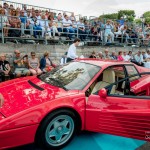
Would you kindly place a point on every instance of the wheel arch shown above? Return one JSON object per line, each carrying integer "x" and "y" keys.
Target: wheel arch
{"x": 79, "y": 120}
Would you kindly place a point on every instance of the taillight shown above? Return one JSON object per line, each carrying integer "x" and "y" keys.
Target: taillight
{"x": 1, "y": 100}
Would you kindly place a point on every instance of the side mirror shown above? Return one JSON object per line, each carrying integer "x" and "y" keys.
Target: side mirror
{"x": 102, "y": 93}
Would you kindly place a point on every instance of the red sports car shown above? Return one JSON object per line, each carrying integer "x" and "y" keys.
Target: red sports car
{"x": 100, "y": 96}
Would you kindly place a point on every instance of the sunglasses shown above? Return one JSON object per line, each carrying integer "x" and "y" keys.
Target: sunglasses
{"x": 32, "y": 55}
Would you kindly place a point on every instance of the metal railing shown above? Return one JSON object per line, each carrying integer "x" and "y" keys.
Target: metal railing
{"x": 77, "y": 32}
{"x": 20, "y": 5}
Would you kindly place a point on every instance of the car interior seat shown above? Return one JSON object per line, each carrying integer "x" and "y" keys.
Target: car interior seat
{"x": 108, "y": 78}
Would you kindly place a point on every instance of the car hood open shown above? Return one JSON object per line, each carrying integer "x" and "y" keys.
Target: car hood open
{"x": 24, "y": 93}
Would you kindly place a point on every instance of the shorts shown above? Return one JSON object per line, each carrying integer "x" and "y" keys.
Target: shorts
{"x": 22, "y": 71}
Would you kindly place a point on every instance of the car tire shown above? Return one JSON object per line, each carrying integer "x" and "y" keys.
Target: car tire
{"x": 57, "y": 129}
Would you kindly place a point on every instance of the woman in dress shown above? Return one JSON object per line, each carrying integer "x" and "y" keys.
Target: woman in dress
{"x": 34, "y": 65}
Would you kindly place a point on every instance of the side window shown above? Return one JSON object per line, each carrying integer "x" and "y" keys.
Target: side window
{"x": 131, "y": 70}
{"x": 108, "y": 77}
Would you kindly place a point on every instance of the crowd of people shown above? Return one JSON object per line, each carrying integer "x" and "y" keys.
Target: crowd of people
{"x": 31, "y": 65}
{"x": 140, "y": 58}
{"x": 24, "y": 65}
{"x": 19, "y": 22}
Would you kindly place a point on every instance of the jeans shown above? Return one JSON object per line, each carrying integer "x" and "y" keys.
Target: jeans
{"x": 36, "y": 30}
{"x": 23, "y": 28}
{"x": 69, "y": 30}
{"x": 108, "y": 34}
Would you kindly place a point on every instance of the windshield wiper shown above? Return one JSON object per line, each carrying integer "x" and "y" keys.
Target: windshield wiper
{"x": 59, "y": 83}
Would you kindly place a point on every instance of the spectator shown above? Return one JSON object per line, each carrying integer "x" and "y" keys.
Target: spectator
{"x": 120, "y": 58}
{"x": 121, "y": 21}
{"x": 15, "y": 22}
{"x": 6, "y": 8}
{"x": 38, "y": 16}
{"x": 108, "y": 32}
{"x": 59, "y": 23}
{"x": 144, "y": 55}
{"x": 113, "y": 55}
{"x": 5, "y": 23}
{"x": 72, "y": 50}
{"x": 20, "y": 64}
{"x": 87, "y": 28}
{"x": 44, "y": 26}
{"x": 139, "y": 59}
{"x": 72, "y": 17}
{"x": 67, "y": 24}
{"x": 141, "y": 36}
{"x": 81, "y": 29}
{"x": 93, "y": 55}
{"x": 24, "y": 9}
{"x": 74, "y": 25}
{"x": 24, "y": 23}
{"x": 29, "y": 25}
{"x": 95, "y": 32}
{"x": 36, "y": 24}
{"x": 119, "y": 32}
{"x": 46, "y": 64}
{"x": 130, "y": 55}
{"x": 64, "y": 14}
{"x": 11, "y": 7}
{"x": 64, "y": 59}
{"x": 106, "y": 54}
{"x": 147, "y": 55}
{"x": 5, "y": 69}
{"x": 53, "y": 25}
{"x": 100, "y": 55}
{"x": 46, "y": 14}
{"x": 147, "y": 40}
{"x": 126, "y": 57}
{"x": 34, "y": 65}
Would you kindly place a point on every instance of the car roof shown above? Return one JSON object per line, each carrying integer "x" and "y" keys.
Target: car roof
{"x": 102, "y": 63}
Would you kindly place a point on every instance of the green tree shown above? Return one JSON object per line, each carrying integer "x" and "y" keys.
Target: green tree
{"x": 146, "y": 14}
{"x": 110, "y": 16}
{"x": 128, "y": 14}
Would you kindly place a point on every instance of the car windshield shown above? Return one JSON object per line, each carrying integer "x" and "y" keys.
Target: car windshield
{"x": 72, "y": 76}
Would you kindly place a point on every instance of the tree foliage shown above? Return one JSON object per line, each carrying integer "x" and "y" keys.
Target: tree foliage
{"x": 129, "y": 15}
{"x": 146, "y": 14}
{"x": 110, "y": 16}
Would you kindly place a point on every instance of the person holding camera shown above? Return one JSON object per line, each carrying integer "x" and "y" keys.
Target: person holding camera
{"x": 20, "y": 64}
{"x": 108, "y": 32}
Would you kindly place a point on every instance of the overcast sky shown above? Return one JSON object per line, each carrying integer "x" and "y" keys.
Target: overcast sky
{"x": 92, "y": 7}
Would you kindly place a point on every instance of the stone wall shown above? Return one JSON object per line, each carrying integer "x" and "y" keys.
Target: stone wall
{"x": 56, "y": 50}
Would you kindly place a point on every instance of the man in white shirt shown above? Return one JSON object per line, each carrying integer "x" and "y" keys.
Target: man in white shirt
{"x": 67, "y": 27}
{"x": 139, "y": 59}
{"x": 72, "y": 50}
{"x": 126, "y": 57}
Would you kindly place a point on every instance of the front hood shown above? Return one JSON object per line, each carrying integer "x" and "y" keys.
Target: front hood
{"x": 24, "y": 93}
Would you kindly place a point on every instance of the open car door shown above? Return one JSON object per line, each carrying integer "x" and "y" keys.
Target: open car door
{"x": 124, "y": 115}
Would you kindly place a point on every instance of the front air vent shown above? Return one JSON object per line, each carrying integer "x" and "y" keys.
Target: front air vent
{"x": 35, "y": 86}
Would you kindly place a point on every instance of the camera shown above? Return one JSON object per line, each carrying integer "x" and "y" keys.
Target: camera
{"x": 25, "y": 56}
